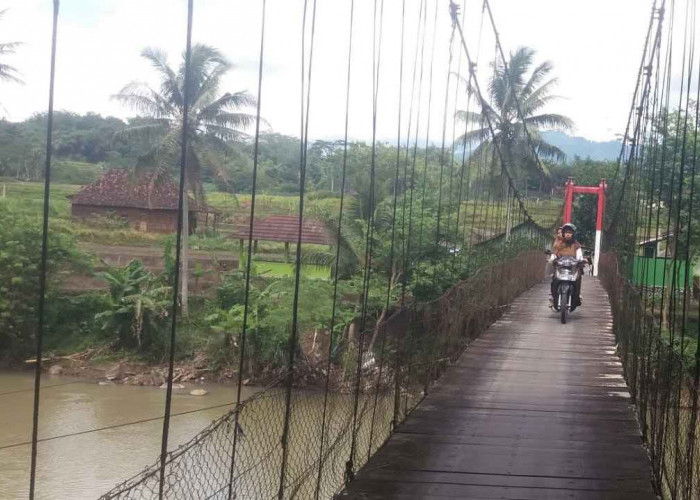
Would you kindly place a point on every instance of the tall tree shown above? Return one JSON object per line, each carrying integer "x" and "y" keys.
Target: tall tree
{"x": 532, "y": 89}
{"x": 215, "y": 121}
{"x": 8, "y": 73}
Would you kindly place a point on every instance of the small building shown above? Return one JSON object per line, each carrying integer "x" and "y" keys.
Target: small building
{"x": 147, "y": 202}
{"x": 655, "y": 247}
{"x": 282, "y": 228}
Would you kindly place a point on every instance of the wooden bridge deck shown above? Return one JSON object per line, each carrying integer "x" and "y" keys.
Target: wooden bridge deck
{"x": 532, "y": 410}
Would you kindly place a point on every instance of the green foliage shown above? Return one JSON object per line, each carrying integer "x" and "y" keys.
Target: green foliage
{"x": 20, "y": 265}
{"x": 138, "y": 307}
{"x": 71, "y": 324}
{"x": 81, "y": 142}
{"x": 589, "y": 173}
{"x": 75, "y": 172}
{"x": 8, "y": 73}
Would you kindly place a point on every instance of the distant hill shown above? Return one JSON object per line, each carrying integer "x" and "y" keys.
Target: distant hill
{"x": 579, "y": 146}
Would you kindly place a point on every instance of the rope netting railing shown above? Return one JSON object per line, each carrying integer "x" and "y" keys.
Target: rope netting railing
{"x": 650, "y": 267}
{"x": 430, "y": 237}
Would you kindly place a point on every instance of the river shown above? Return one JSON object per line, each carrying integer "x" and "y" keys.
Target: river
{"x": 87, "y": 465}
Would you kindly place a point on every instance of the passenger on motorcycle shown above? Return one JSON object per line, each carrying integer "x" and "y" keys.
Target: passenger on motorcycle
{"x": 567, "y": 246}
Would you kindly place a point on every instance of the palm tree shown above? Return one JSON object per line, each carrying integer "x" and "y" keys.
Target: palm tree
{"x": 533, "y": 92}
{"x": 214, "y": 122}
{"x": 8, "y": 73}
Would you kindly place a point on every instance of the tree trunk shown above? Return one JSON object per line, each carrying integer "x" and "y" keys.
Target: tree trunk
{"x": 185, "y": 271}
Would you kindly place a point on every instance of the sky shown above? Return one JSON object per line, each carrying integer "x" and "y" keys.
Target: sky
{"x": 595, "y": 47}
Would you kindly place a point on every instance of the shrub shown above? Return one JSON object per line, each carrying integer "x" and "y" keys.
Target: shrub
{"x": 20, "y": 266}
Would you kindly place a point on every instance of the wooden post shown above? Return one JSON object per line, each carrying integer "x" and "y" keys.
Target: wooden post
{"x": 286, "y": 251}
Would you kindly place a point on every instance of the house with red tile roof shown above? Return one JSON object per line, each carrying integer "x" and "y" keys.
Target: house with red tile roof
{"x": 147, "y": 201}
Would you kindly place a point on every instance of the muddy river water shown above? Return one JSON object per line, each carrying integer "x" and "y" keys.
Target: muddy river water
{"x": 87, "y": 465}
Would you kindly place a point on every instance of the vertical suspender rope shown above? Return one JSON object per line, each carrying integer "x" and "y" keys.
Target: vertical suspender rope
{"x": 178, "y": 248}
{"x": 696, "y": 372}
{"x": 44, "y": 256}
{"x": 454, "y": 11}
{"x": 458, "y": 76}
{"x": 392, "y": 271}
{"x": 672, "y": 299}
{"x": 664, "y": 104}
{"x": 463, "y": 163}
{"x": 407, "y": 252}
{"x": 427, "y": 133}
{"x": 376, "y": 59}
{"x": 657, "y": 438}
{"x": 444, "y": 134}
{"x": 305, "y": 106}
{"x": 249, "y": 260}
{"x": 645, "y": 90}
{"x": 337, "y": 252}
{"x": 636, "y": 91}
{"x": 406, "y": 340}
{"x": 645, "y": 268}
{"x": 408, "y": 185}
{"x": 516, "y": 100}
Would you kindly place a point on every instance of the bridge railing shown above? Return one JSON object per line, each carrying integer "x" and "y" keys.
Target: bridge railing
{"x": 334, "y": 431}
{"x": 662, "y": 377}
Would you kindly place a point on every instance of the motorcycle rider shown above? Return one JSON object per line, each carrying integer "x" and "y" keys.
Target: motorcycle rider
{"x": 567, "y": 246}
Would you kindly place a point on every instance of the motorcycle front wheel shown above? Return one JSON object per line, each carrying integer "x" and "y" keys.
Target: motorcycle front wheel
{"x": 564, "y": 292}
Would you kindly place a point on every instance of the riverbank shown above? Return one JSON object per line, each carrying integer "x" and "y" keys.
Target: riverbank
{"x": 99, "y": 364}
{"x": 102, "y": 364}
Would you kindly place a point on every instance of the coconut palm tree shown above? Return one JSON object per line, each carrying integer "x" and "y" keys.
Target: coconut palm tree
{"x": 532, "y": 88}
{"x": 8, "y": 73}
{"x": 215, "y": 121}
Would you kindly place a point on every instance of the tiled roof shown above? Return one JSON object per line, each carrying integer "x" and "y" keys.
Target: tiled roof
{"x": 119, "y": 187}
{"x": 283, "y": 228}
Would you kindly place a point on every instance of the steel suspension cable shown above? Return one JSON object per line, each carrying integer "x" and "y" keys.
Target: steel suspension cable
{"x": 184, "y": 152}
{"x": 43, "y": 266}
{"x": 249, "y": 256}
{"x": 304, "y": 129}
{"x": 336, "y": 269}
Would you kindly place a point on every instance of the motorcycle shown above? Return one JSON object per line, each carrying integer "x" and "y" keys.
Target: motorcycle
{"x": 567, "y": 271}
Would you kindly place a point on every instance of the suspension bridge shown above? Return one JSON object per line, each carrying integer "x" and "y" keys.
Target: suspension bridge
{"x": 444, "y": 373}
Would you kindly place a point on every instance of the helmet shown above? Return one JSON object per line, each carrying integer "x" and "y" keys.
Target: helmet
{"x": 568, "y": 226}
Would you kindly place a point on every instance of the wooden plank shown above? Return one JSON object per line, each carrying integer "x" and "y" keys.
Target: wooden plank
{"x": 532, "y": 410}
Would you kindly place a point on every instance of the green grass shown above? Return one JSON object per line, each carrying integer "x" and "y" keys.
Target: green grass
{"x": 483, "y": 215}
{"x": 267, "y": 204}
{"x": 287, "y": 269}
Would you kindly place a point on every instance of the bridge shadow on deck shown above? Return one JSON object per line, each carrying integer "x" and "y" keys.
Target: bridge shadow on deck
{"x": 532, "y": 410}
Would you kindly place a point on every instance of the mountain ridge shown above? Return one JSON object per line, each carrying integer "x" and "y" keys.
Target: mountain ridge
{"x": 582, "y": 147}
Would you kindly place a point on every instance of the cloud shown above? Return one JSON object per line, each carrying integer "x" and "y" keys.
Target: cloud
{"x": 595, "y": 56}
